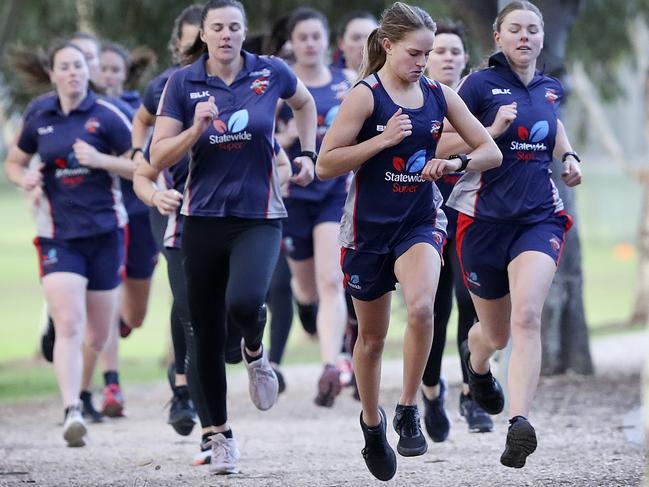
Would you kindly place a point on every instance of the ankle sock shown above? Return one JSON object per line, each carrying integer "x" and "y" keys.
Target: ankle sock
{"x": 111, "y": 377}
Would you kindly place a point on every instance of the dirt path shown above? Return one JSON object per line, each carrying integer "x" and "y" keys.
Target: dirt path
{"x": 586, "y": 427}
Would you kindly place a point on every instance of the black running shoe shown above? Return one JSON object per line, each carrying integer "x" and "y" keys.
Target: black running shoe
{"x": 476, "y": 417}
{"x": 308, "y": 314}
{"x": 485, "y": 389}
{"x": 436, "y": 419}
{"x": 182, "y": 416}
{"x": 412, "y": 442}
{"x": 47, "y": 340}
{"x": 520, "y": 443}
{"x": 379, "y": 456}
{"x": 88, "y": 408}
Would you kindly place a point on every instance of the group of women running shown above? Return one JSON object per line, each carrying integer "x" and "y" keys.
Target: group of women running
{"x": 329, "y": 183}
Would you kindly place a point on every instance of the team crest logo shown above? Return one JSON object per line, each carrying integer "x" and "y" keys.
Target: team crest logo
{"x": 551, "y": 95}
{"x": 555, "y": 244}
{"x": 436, "y": 129}
{"x": 260, "y": 85}
{"x": 92, "y": 125}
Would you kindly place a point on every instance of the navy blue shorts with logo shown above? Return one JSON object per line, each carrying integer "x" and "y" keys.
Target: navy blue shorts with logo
{"x": 368, "y": 276}
{"x": 141, "y": 248}
{"x": 485, "y": 249}
{"x": 98, "y": 258}
{"x": 303, "y": 217}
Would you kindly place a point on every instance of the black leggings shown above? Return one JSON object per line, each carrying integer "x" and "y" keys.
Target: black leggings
{"x": 229, "y": 264}
{"x": 280, "y": 302}
{"x": 182, "y": 335}
{"x": 450, "y": 277}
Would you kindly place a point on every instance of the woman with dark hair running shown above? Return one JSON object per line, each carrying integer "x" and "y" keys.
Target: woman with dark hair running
{"x": 221, "y": 109}
{"x": 512, "y": 225}
{"x": 393, "y": 228}
{"x": 81, "y": 140}
{"x": 446, "y": 64}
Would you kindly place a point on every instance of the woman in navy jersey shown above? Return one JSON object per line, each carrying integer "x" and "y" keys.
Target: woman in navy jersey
{"x": 80, "y": 216}
{"x": 221, "y": 110}
{"x": 512, "y": 225}
{"x": 314, "y": 212}
{"x": 355, "y": 29}
{"x": 393, "y": 228}
{"x": 446, "y": 64}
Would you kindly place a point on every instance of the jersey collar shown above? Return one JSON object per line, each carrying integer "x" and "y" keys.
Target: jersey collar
{"x": 197, "y": 70}
{"x": 500, "y": 63}
{"x": 53, "y": 104}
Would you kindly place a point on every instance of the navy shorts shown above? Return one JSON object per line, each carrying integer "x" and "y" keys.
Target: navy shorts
{"x": 98, "y": 258}
{"x": 485, "y": 249}
{"x": 303, "y": 217}
{"x": 141, "y": 248}
{"x": 368, "y": 276}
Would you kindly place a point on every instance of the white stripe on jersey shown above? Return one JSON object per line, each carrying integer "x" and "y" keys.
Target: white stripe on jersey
{"x": 119, "y": 113}
{"x": 118, "y": 205}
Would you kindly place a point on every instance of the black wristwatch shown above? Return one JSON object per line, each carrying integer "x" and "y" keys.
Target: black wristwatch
{"x": 135, "y": 150}
{"x": 310, "y": 154}
{"x": 462, "y": 157}
{"x": 570, "y": 153}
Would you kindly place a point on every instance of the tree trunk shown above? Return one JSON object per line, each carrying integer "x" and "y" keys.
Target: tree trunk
{"x": 640, "y": 314}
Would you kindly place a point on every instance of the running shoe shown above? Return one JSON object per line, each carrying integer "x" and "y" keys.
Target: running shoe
{"x": 182, "y": 416}
{"x": 377, "y": 453}
{"x": 281, "y": 383}
{"x": 476, "y": 417}
{"x": 124, "y": 329}
{"x": 225, "y": 455}
{"x": 204, "y": 457}
{"x": 47, "y": 340}
{"x": 74, "y": 427}
{"x": 485, "y": 389}
{"x": 520, "y": 443}
{"x": 88, "y": 408}
{"x": 412, "y": 442}
{"x": 346, "y": 368}
{"x": 328, "y": 386}
{"x": 113, "y": 406}
{"x": 436, "y": 419}
{"x": 262, "y": 381}
{"x": 308, "y": 314}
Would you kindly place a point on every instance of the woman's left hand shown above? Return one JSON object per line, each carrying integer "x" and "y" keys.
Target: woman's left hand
{"x": 571, "y": 174}
{"x": 86, "y": 154}
{"x": 436, "y": 168}
{"x": 306, "y": 171}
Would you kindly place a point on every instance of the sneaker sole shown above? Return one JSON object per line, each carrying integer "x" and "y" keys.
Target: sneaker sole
{"x": 74, "y": 434}
{"x": 412, "y": 452}
{"x": 223, "y": 470}
{"x": 113, "y": 409}
{"x": 327, "y": 399}
{"x": 520, "y": 444}
{"x": 183, "y": 426}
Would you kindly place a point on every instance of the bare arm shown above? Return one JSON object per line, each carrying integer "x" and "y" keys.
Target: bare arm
{"x": 145, "y": 187}
{"x": 17, "y": 172}
{"x": 142, "y": 121}
{"x": 339, "y": 152}
{"x": 571, "y": 174}
{"x": 170, "y": 142}
{"x": 306, "y": 120}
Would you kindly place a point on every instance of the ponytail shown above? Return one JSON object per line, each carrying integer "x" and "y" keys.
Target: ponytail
{"x": 193, "y": 52}
{"x": 373, "y": 55}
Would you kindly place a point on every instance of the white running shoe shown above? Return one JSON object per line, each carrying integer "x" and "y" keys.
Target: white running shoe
{"x": 74, "y": 427}
{"x": 262, "y": 381}
{"x": 225, "y": 455}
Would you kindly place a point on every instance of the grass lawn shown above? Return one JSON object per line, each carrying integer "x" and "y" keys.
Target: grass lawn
{"x": 607, "y": 228}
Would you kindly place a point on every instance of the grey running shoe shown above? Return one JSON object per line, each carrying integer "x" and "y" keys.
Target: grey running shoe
{"x": 262, "y": 381}
{"x": 328, "y": 386}
{"x": 74, "y": 427}
{"x": 225, "y": 455}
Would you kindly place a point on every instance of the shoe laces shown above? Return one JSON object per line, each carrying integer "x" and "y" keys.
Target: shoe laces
{"x": 409, "y": 421}
{"x": 263, "y": 373}
{"x": 223, "y": 448}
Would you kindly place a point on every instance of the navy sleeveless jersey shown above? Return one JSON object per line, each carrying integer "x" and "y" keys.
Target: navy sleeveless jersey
{"x": 520, "y": 190}
{"x": 388, "y": 197}
{"x": 231, "y": 168}
{"x": 327, "y": 101}
{"x": 77, "y": 201}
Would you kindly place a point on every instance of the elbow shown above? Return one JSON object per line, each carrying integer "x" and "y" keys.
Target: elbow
{"x": 497, "y": 158}
{"x": 322, "y": 173}
{"x": 155, "y": 159}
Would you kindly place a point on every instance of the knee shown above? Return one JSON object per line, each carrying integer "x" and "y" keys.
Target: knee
{"x": 96, "y": 343}
{"x": 497, "y": 337}
{"x": 244, "y": 310}
{"x": 370, "y": 345}
{"x": 330, "y": 284}
{"x": 69, "y": 326}
{"x": 526, "y": 319}
{"x": 420, "y": 314}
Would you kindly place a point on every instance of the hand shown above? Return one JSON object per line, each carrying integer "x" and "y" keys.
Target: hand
{"x": 436, "y": 168}
{"x": 398, "y": 128}
{"x": 166, "y": 201}
{"x": 86, "y": 154}
{"x": 571, "y": 174}
{"x": 205, "y": 112}
{"x": 139, "y": 159}
{"x": 32, "y": 178}
{"x": 504, "y": 118}
{"x": 306, "y": 171}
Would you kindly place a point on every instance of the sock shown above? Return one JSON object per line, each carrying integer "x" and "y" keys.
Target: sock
{"x": 85, "y": 396}
{"x": 111, "y": 377}
{"x": 181, "y": 392}
{"x": 227, "y": 434}
{"x": 250, "y": 359}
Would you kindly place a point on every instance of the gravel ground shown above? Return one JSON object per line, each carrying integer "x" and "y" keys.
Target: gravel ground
{"x": 588, "y": 430}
